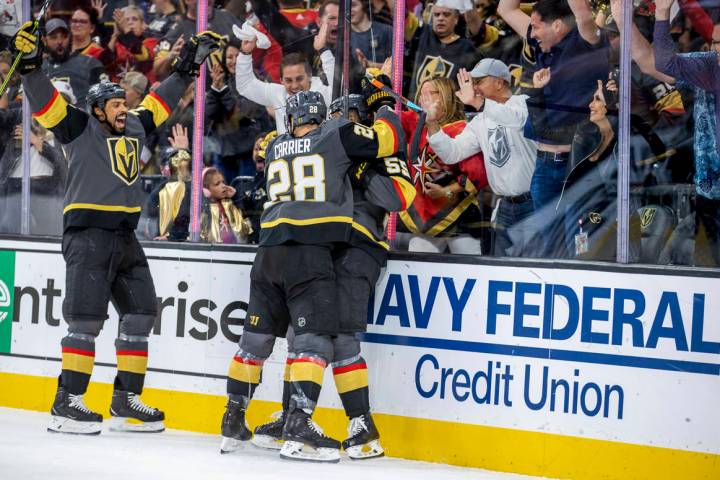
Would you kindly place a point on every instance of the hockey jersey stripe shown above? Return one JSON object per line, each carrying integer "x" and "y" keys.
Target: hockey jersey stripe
{"x": 387, "y": 138}
{"x": 53, "y": 112}
{"x": 136, "y": 353}
{"x": 406, "y": 191}
{"x": 360, "y": 228}
{"x": 308, "y": 221}
{"x": 159, "y": 109}
{"x": 104, "y": 208}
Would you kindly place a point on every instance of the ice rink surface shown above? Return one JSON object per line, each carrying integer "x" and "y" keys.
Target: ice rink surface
{"x": 29, "y": 452}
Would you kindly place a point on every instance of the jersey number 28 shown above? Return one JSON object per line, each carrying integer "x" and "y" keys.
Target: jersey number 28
{"x": 302, "y": 178}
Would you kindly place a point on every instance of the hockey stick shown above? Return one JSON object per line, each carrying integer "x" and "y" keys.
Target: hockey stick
{"x": 378, "y": 84}
{"x": 18, "y": 57}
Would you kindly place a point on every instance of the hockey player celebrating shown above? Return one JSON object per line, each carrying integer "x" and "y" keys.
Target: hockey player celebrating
{"x": 103, "y": 258}
{"x": 310, "y": 209}
{"x": 377, "y": 188}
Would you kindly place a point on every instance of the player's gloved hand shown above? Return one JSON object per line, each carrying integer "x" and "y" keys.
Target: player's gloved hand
{"x": 195, "y": 51}
{"x": 374, "y": 97}
{"x": 265, "y": 142}
{"x": 29, "y": 46}
{"x": 361, "y": 175}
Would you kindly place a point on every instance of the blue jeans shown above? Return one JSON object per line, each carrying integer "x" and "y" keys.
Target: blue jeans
{"x": 545, "y": 187}
{"x": 513, "y": 231}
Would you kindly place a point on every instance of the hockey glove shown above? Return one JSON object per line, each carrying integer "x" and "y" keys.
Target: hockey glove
{"x": 29, "y": 46}
{"x": 361, "y": 175}
{"x": 195, "y": 51}
{"x": 374, "y": 97}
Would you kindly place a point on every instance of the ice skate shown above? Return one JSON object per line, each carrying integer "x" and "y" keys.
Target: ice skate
{"x": 304, "y": 440}
{"x": 130, "y": 414}
{"x": 269, "y": 435}
{"x": 234, "y": 429}
{"x": 71, "y": 415}
{"x": 364, "y": 440}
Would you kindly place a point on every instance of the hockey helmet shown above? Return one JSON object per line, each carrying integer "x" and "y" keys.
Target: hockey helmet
{"x": 354, "y": 101}
{"x": 101, "y": 93}
{"x": 304, "y": 108}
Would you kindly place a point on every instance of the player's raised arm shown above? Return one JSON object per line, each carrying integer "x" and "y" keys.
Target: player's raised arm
{"x": 382, "y": 139}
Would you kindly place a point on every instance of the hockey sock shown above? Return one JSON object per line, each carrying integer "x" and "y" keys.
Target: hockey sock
{"x": 351, "y": 381}
{"x": 132, "y": 358}
{"x": 78, "y": 359}
{"x": 287, "y": 386}
{"x": 306, "y": 376}
{"x": 244, "y": 375}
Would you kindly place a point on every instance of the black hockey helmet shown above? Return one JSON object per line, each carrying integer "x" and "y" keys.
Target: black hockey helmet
{"x": 354, "y": 101}
{"x": 304, "y": 108}
{"x": 101, "y": 93}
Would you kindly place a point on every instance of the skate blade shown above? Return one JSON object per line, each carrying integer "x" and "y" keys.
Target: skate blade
{"x": 369, "y": 450}
{"x": 123, "y": 424}
{"x": 68, "y": 425}
{"x": 300, "y": 452}
{"x": 267, "y": 442}
{"x": 229, "y": 445}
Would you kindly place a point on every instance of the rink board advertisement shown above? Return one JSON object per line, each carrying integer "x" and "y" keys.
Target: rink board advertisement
{"x": 547, "y": 371}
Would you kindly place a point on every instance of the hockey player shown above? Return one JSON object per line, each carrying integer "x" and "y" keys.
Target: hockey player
{"x": 103, "y": 258}
{"x": 310, "y": 209}
{"x": 377, "y": 188}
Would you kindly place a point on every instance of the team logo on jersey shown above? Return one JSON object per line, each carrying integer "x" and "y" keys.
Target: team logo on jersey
{"x": 499, "y": 146}
{"x": 433, "y": 67}
{"x": 426, "y": 170}
{"x": 647, "y": 217}
{"x": 124, "y": 155}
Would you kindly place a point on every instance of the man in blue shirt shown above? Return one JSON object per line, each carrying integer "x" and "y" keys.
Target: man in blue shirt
{"x": 560, "y": 35}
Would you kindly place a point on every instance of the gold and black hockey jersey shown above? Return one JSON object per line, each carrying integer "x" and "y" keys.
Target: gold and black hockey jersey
{"x": 103, "y": 188}
{"x": 310, "y": 197}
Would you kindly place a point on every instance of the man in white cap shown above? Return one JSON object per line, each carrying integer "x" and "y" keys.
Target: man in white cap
{"x": 497, "y": 131}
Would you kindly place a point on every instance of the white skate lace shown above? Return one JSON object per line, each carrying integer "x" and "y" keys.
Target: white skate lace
{"x": 76, "y": 401}
{"x": 315, "y": 427}
{"x": 138, "y": 405}
{"x": 357, "y": 425}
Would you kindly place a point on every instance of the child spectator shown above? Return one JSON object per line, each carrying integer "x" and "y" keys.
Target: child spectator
{"x": 221, "y": 220}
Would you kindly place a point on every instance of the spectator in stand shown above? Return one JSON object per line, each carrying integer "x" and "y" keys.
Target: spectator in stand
{"x": 701, "y": 70}
{"x": 83, "y": 24}
{"x": 497, "y": 131}
{"x": 219, "y": 21}
{"x": 221, "y": 221}
{"x": 290, "y": 23}
{"x": 445, "y": 214}
{"x": 10, "y": 21}
{"x": 133, "y": 46}
{"x": 136, "y": 86}
{"x": 252, "y": 194}
{"x": 48, "y": 173}
{"x": 560, "y": 35}
{"x": 81, "y": 70}
{"x": 371, "y": 41}
{"x": 383, "y": 10}
{"x": 227, "y": 113}
{"x": 440, "y": 49}
{"x": 162, "y": 15}
{"x": 296, "y": 77}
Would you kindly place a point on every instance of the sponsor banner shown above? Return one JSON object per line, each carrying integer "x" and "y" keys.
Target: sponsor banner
{"x": 7, "y": 288}
{"x": 619, "y": 357}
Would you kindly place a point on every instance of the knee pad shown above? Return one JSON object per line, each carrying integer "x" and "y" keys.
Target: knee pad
{"x": 133, "y": 324}
{"x": 84, "y": 328}
{"x": 313, "y": 344}
{"x": 346, "y": 346}
{"x": 259, "y": 345}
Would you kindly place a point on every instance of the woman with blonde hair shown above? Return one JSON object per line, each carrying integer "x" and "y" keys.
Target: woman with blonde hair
{"x": 446, "y": 213}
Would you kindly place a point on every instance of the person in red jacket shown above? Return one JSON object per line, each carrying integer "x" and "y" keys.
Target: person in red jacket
{"x": 446, "y": 210}
{"x": 134, "y": 48}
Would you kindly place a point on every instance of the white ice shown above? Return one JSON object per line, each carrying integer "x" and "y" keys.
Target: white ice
{"x": 28, "y": 452}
